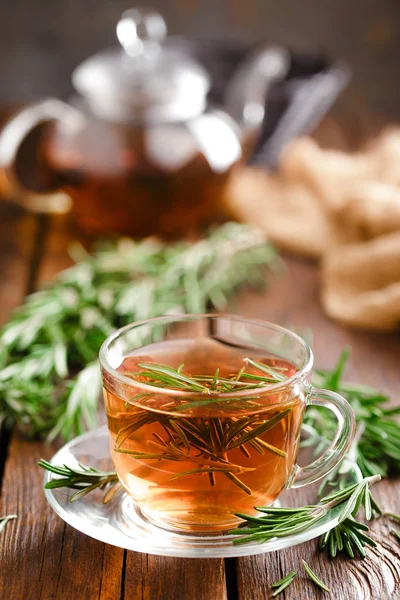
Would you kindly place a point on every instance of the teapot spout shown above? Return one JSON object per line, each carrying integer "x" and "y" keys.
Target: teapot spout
{"x": 247, "y": 92}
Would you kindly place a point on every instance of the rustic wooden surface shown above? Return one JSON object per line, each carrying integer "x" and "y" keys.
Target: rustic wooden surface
{"x": 42, "y": 558}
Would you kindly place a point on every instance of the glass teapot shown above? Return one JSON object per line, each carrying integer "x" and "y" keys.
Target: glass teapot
{"x": 139, "y": 151}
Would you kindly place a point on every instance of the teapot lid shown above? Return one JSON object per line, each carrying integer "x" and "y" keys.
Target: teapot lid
{"x": 146, "y": 80}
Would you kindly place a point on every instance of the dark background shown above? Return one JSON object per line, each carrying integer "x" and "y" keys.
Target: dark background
{"x": 41, "y": 41}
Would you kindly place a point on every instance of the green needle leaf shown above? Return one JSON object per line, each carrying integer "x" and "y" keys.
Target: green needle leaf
{"x": 274, "y": 374}
{"x": 283, "y": 583}
{"x": 257, "y": 431}
{"x": 314, "y": 578}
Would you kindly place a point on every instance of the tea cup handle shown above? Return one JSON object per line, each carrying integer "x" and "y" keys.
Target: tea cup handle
{"x": 340, "y": 444}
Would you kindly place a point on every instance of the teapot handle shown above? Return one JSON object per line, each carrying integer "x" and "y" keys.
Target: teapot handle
{"x": 24, "y": 177}
{"x": 247, "y": 92}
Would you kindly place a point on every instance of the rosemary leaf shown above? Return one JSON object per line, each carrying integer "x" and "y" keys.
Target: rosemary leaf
{"x": 199, "y": 472}
{"x": 237, "y": 482}
{"x": 267, "y": 446}
{"x": 283, "y": 583}
{"x": 254, "y": 433}
{"x": 273, "y": 373}
{"x": 314, "y": 578}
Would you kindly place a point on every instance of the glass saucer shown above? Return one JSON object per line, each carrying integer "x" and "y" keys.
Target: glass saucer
{"x": 122, "y": 524}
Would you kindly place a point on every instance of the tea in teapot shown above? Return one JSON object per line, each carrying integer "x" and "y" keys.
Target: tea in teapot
{"x": 139, "y": 150}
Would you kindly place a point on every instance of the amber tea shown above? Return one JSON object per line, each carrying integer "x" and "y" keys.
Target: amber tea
{"x": 188, "y": 451}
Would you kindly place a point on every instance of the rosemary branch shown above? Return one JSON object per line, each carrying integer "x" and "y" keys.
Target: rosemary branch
{"x": 49, "y": 378}
{"x": 85, "y": 480}
{"x": 282, "y": 522}
{"x": 376, "y": 448}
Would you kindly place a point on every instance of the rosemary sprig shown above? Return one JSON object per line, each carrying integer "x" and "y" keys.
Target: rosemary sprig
{"x": 85, "y": 480}
{"x": 282, "y": 522}
{"x": 165, "y": 376}
{"x": 49, "y": 379}
{"x": 5, "y": 520}
{"x": 314, "y": 578}
{"x": 283, "y": 583}
{"x": 376, "y": 449}
{"x": 349, "y": 536}
{"x": 211, "y": 437}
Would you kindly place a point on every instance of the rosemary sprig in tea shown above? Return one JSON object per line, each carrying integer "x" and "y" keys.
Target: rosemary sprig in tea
{"x": 49, "y": 376}
{"x": 210, "y": 437}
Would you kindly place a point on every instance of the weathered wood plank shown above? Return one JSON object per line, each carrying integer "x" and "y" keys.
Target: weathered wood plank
{"x": 41, "y": 557}
{"x": 164, "y": 578}
{"x": 18, "y": 232}
{"x": 17, "y": 237}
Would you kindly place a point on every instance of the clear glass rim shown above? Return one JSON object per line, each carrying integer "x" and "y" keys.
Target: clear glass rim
{"x": 268, "y": 389}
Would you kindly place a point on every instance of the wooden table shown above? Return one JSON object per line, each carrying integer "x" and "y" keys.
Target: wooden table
{"x": 41, "y": 557}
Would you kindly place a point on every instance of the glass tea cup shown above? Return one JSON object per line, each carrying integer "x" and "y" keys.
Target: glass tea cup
{"x": 204, "y": 415}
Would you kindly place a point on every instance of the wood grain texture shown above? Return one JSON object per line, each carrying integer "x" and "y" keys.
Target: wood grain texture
{"x": 17, "y": 238}
{"x": 164, "y": 578}
{"x": 41, "y": 557}
{"x": 18, "y": 232}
